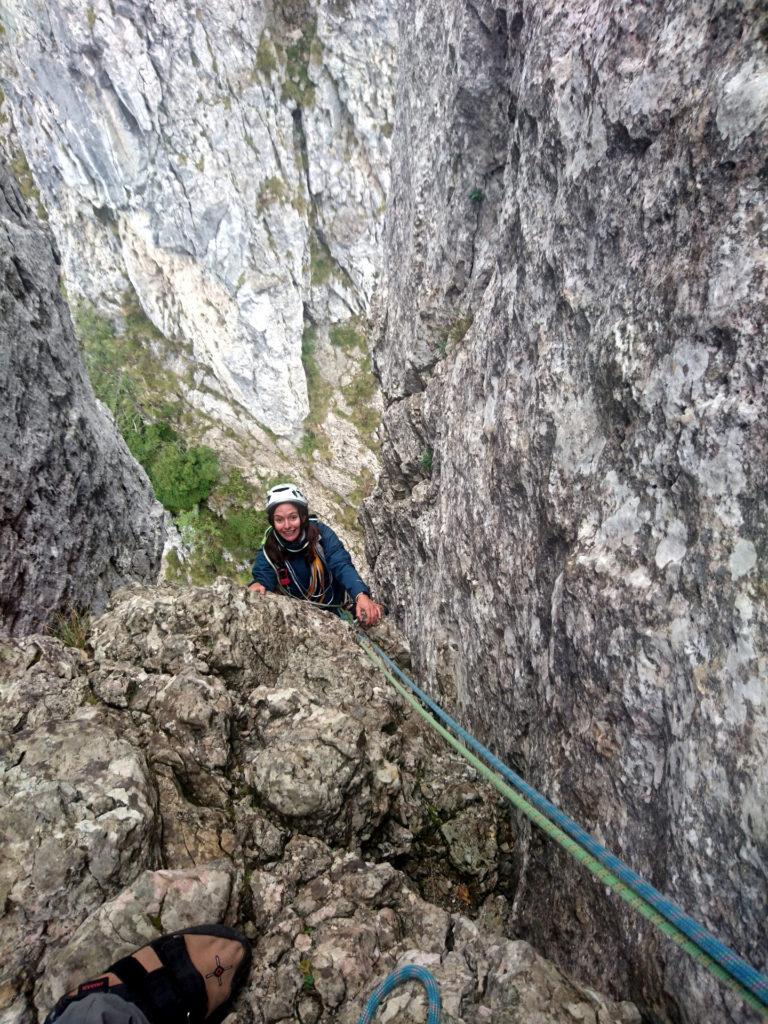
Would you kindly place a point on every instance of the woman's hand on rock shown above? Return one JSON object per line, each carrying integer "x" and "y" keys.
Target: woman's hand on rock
{"x": 367, "y": 612}
{"x": 258, "y": 587}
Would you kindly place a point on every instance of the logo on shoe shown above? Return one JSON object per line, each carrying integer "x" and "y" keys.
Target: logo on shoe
{"x": 218, "y": 970}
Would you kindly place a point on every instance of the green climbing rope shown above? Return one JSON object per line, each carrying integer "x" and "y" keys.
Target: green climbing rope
{"x": 570, "y": 845}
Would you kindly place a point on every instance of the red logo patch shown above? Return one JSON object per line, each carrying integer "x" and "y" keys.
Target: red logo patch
{"x": 100, "y": 985}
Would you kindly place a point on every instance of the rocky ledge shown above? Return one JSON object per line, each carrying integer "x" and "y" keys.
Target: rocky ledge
{"x": 214, "y": 755}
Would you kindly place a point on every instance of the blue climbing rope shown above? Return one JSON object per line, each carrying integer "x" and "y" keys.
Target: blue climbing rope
{"x": 410, "y": 972}
{"x": 731, "y": 962}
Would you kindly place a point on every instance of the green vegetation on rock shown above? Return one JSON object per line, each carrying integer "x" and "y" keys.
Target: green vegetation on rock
{"x": 318, "y": 389}
{"x": 182, "y": 477}
{"x": 359, "y": 395}
{"x": 306, "y": 971}
{"x": 347, "y": 336}
{"x": 129, "y": 378}
{"x": 72, "y": 628}
{"x": 347, "y": 515}
{"x": 298, "y": 86}
{"x": 218, "y": 514}
{"x": 273, "y": 190}
{"x": 454, "y": 335}
{"x": 222, "y": 536}
{"x": 319, "y": 393}
{"x": 321, "y": 264}
{"x": 266, "y": 58}
{"x": 23, "y": 175}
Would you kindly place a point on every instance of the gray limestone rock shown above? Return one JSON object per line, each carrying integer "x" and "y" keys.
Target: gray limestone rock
{"x": 77, "y": 514}
{"x": 571, "y": 523}
{"x": 228, "y": 163}
{"x": 215, "y": 755}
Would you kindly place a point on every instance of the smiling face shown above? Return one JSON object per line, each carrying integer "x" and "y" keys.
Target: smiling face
{"x": 287, "y": 521}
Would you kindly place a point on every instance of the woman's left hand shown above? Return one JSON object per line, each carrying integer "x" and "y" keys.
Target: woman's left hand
{"x": 367, "y": 612}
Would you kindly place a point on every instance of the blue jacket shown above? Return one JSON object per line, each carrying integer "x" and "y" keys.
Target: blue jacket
{"x": 344, "y": 576}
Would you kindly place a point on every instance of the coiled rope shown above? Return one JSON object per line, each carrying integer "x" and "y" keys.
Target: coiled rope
{"x": 410, "y": 972}
{"x": 670, "y": 919}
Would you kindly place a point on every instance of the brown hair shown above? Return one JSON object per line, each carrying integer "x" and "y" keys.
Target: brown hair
{"x": 274, "y": 549}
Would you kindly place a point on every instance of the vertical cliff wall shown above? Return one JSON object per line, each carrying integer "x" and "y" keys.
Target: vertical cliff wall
{"x": 227, "y": 162}
{"x": 571, "y": 524}
{"x": 77, "y": 513}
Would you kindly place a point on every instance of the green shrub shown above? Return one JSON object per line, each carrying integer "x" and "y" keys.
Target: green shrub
{"x": 426, "y": 460}
{"x": 146, "y": 443}
{"x": 129, "y": 376}
{"x": 222, "y": 542}
{"x": 243, "y": 531}
{"x": 182, "y": 478}
{"x": 234, "y": 490}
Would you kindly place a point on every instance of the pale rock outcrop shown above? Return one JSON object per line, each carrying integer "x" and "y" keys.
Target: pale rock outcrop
{"x": 77, "y": 514}
{"x": 229, "y": 163}
{"x": 132, "y": 803}
{"x": 571, "y": 524}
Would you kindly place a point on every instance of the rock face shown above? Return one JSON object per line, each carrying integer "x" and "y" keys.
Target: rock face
{"x": 228, "y": 163}
{"x": 77, "y": 514}
{"x": 219, "y": 756}
{"x": 571, "y": 524}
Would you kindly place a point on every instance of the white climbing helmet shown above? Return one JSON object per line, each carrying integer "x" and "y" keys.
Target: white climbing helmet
{"x": 285, "y": 492}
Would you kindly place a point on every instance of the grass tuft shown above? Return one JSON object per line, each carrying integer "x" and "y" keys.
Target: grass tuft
{"x": 321, "y": 264}
{"x": 347, "y": 336}
{"x": 273, "y": 190}
{"x": 266, "y": 58}
{"x": 72, "y": 628}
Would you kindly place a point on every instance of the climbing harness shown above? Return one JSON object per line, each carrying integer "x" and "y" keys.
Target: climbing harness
{"x": 410, "y": 972}
{"x": 670, "y": 919}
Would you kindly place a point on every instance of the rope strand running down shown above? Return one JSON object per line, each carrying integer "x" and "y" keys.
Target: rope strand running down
{"x": 720, "y": 961}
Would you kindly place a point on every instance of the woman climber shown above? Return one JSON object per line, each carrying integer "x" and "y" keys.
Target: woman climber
{"x": 304, "y": 558}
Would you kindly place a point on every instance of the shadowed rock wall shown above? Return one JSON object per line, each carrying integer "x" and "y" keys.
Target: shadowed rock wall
{"x": 571, "y": 523}
{"x": 77, "y": 514}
